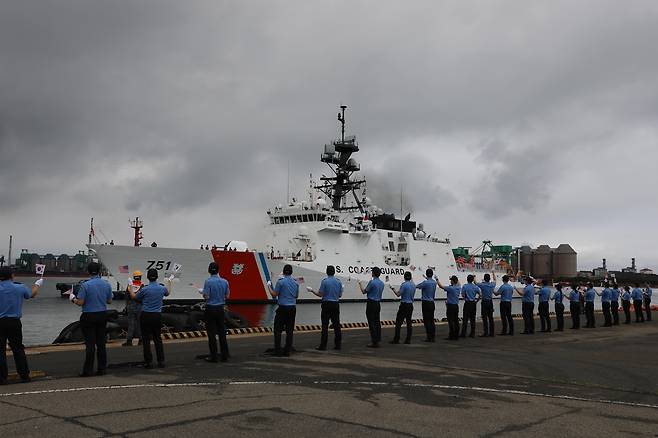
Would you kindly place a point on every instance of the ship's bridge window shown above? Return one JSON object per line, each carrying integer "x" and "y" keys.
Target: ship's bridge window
{"x": 390, "y": 234}
{"x": 402, "y": 247}
{"x": 287, "y": 219}
{"x": 391, "y": 246}
{"x": 305, "y": 218}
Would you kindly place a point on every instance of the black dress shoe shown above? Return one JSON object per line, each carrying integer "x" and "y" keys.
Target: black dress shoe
{"x": 224, "y": 359}
{"x": 502, "y": 334}
{"x": 148, "y": 365}
{"x": 3, "y": 382}
{"x": 210, "y": 359}
{"x": 321, "y": 348}
{"x": 407, "y": 341}
{"x": 394, "y": 342}
{"x": 100, "y": 372}
{"x": 372, "y": 345}
{"x": 85, "y": 375}
{"x": 26, "y": 379}
{"x": 483, "y": 335}
{"x": 161, "y": 364}
{"x": 337, "y": 347}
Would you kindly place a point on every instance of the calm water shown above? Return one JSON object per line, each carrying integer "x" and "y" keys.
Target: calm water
{"x": 45, "y": 316}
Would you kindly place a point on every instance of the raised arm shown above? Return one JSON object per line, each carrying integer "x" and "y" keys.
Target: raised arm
{"x": 396, "y": 292}
{"x": 316, "y": 293}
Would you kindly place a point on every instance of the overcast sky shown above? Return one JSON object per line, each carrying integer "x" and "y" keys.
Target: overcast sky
{"x": 515, "y": 121}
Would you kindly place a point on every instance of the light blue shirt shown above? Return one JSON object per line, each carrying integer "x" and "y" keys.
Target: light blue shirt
{"x": 11, "y": 299}
{"x": 375, "y": 289}
{"x": 96, "y": 292}
{"x": 428, "y": 289}
{"x": 487, "y": 289}
{"x": 590, "y": 294}
{"x": 216, "y": 290}
{"x": 637, "y": 294}
{"x": 558, "y": 297}
{"x": 452, "y": 293}
{"x": 614, "y": 295}
{"x": 288, "y": 291}
{"x": 606, "y": 294}
{"x": 528, "y": 294}
{"x": 407, "y": 292}
{"x": 626, "y": 296}
{"x": 469, "y": 291}
{"x": 506, "y": 291}
{"x": 544, "y": 294}
{"x": 151, "y": 297}
{"x": 647, "y": 293}
{"x": 331, "y": 289}
{"x": 574, "y": 296}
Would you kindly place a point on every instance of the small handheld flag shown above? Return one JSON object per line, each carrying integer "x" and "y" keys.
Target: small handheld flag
{"x": 177, "y": 267}
{"x": 40, "y": 269}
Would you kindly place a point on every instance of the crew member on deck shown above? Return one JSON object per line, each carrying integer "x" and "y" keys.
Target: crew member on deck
{"x": 216, "y": 291}
{"x": 406, "y": 309}
{"x": 528, "y": 306}
{"x": 331, "y": 290}
{"x": 151, "y": 297}
{"x": 626, "y": 304}
{"x": 94, "y": 296}
{"x": 605, "y": 295}
{"x": 558, "y": 297}
{"x": 470, "y": 294}
{"x": 428, "y": 291}
{"x": 11, "y": 330}
{"x": 373, "y": 291}
{"x": 286, "y": 292}
{"x": 590, "y": 294}
{"x": 638, "y": 297}
{"x": 544, "y": 315}
{"x": 486, "y": 307}
{"x": 647, "y": 301}
{"x": 506, "y": 291}
{"x": 133, "y": 310}
{"x": 614, "y": 303}
{"x": 452, "y": 306}
{"x": 574, "y": 306}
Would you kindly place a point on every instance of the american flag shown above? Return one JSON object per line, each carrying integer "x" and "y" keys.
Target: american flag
{"x": 123, "y": 269}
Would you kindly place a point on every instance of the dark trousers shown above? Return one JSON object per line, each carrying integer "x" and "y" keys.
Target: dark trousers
{"x": 330, "y": 312}
{"x": 647, "y": 308}
{"x": 487, "y": 309}
{"x": 373, "y": 309}
{"x": 133, "y": 314}
{"x": 607, "y": 316}
{"x": 639, "y": 316}
{"x": 151, "y": 325}
{"x": 428, "y": 320}
{"x": 506, "y": 317}
{"x": 589, "y": 314}
{"x": 11, "y": 330}
{"x": 544, "y": 317}
{"x": 559, "y": 315}
{"x": 216, "y": 325}
{"x": 614, "y": 307}
{"x": 574, "y": 308}
{"x": 93, "y": 330}
{"x": 452, "y": 313}
{"x": 468, "y": 315}
{"x": 284, "y": 318}
{"x": 404, "y": 314}
{"x": 626, "y": 305}
{"x": 528, "y": 317}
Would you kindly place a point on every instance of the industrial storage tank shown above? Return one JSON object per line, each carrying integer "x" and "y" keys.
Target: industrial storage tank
{"x": 542, "y": 262}
{"x": 63, "y": 263}
{"x": 565, "y": 261}
{"x": 526, "y": 259}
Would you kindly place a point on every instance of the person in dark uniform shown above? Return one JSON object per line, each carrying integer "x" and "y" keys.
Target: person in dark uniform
{"x": 133, "y": 310}
{"x": 331, "y": 290}
{"x": 605, "y": 295}
{"x": 544, "y": 314}
{"x": 506, "y": 291}
{"x": 626, "y": 304}
{"x": 638, "y": 296}
{"x": 11, "y": 330}
{"x": 286, "y": 292}
{"x": 373, "y": 291}
{"x": 428, "y": 295}
{"x": 558, "y": 297}
{"x": 574, "y": 306}
{"x": 151, "y": 297}
{"x": 614, "y": 304}
{"x": 470, "y": 294}
{"x": 452, "y": 306}
{"x": 528, "y": 306}
{"x": 590, "y": 295}
{"x": 406, "y": 309}
{"x": 486, "y": 307}
{"x": 94, "y": 296}
{"x": 216, "y": 291}
{"x": 647, "y": 301}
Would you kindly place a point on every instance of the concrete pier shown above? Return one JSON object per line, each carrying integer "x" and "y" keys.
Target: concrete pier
{"x": 589, "y": 382}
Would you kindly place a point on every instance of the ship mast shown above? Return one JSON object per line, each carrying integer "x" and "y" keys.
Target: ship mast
{"x": 137, "y": 225}
{"x": 337, "y": 155}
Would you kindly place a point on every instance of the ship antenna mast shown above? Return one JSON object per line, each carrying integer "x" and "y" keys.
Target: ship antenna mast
{"x": 137, "y": 225}
{"x": 341, "y": 119}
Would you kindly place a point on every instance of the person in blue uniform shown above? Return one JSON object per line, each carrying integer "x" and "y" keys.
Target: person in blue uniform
{"x": 528, "y": 306}
{"x": 605, "y": 295}
{"x": 286, "y": 292}
{"x": 626, "y": 304}
{"x": 428, "y": 295}
{"x": 637, "y": 297}
{"x": 543, "y": 308}
{"x": 11, "y": 330}
{"x": 470, "y": 293}
{"x": 614, "y": 304}
{"x": 373, "y": 292}
{"x": 590, "y": 295}
{"x": 215, "y": 291}
{"x": 94, "y": 296}
{"x": 331, "y": 290}
{"x": 486, "y": 306}
{"x": 406, "y": 308}
{"x": 574, "y": 306}
{"x": 505, "y": 291}
{"x": 647, "y": 301}
{"x": 151, "y": 296}
{"x": 558, "y": 297}
{"x": 452, "y": 306}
